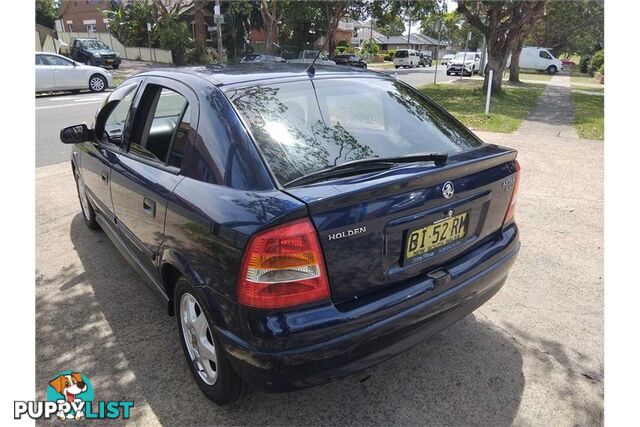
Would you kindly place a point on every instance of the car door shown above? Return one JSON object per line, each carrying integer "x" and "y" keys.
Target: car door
{"x": 149, "y": 169}
{"x": 65, "y": 74}
{"x": 544, "y": 59}
{"x": 44, "y": 75}
{"x": 99, "y": 157}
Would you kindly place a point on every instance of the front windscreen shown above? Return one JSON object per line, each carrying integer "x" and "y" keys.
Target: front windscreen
{"x": 305, "y": 126}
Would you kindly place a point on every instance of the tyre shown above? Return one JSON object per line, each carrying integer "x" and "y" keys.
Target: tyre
{"x": 397, "y": 66}
{"x": 207, "y": 359}
{"x": 552, "y": 69}
{"x": 97, "y": 83}
{"x": 88, "y": 214}
{"x": 448, "y": 73}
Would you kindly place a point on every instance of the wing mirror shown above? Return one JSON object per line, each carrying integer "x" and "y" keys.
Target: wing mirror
{"x": 76, "y": 134}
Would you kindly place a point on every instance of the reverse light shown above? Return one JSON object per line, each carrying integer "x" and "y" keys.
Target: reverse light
{"x": 283, "y": 267}
{"x": 514, "y": 195}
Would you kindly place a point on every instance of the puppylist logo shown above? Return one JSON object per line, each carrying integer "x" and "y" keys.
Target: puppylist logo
{"x": 70, "y": 396}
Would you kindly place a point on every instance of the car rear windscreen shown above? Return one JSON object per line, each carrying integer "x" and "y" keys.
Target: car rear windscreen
{"x": 402, "y": 54}
{"x": 305, "y": 126}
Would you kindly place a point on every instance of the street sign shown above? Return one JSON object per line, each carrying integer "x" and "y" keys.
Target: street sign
{"x": 216, "y": 10}
{"x": 211, "y": 29}
{"x": 149, "y": 26}
{"x": 218, "y": 19}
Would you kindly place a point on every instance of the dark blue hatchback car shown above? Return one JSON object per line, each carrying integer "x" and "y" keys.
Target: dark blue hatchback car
{"x": 301, "y": 225}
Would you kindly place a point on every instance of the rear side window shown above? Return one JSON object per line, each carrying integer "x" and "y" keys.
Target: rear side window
{"x": 161, "y": 126}
{"x": 302, "y": 127}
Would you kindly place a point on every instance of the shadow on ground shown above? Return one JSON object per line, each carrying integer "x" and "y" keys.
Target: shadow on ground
{"x": 99, "y": 317}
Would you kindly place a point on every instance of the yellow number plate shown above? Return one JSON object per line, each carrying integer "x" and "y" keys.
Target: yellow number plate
{"x": 433, "y": 236}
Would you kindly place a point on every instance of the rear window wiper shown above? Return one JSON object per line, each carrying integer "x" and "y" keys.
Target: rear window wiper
{"x": 367, "y": 165}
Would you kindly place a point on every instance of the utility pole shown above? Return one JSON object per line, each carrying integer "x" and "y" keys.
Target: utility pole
{"x": 218, "y": 19}
{"x": 435, "y": 73}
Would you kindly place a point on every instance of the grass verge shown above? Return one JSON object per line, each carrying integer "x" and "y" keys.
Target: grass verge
{"x": 466, "y": 102}
{"x": 588, "y": 115}
{"x": 532, "y": 75}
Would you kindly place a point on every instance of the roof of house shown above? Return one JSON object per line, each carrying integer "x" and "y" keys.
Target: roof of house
{"x": 416, "y": 39}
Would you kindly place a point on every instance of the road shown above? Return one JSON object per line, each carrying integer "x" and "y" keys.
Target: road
{"x": 53, "y": 112}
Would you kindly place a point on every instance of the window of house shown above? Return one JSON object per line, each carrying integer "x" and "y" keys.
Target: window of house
{"x": 70, "y": 26}
{"x": 164, "y": 119}
{"x": 90, "y": 28}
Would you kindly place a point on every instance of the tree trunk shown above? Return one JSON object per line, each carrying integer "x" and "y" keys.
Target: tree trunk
{"x": 514, "y": 68}
{"x": 200, "y": 30}
{"x": 496, "y": 62}
{"x": 270, "y": 20}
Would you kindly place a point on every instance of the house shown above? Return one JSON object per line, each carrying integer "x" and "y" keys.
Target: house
{"x": 416, "y": 41}
{"x": 83, "y": 16}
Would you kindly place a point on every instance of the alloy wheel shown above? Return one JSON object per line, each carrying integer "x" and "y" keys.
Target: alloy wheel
{"x": 96, "y": 83}
{"x": 198, "y": 339}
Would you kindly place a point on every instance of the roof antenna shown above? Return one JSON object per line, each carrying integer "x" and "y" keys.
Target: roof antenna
{"x": 311, "y": 70}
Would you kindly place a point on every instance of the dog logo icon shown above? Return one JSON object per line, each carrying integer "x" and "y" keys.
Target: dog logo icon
{"x": 71, "y": 388}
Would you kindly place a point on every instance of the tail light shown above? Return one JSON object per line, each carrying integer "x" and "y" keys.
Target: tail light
{"x": 283, "y": 267}
{"x": 512, "y": 203}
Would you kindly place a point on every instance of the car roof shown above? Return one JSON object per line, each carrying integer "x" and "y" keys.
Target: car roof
{"x": 259, "y": 71}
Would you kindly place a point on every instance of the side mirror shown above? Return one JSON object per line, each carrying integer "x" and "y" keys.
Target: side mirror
{"x": 76, "y": 134}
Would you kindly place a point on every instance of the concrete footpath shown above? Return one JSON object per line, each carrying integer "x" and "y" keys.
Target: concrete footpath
{"x": 533, "y": 355}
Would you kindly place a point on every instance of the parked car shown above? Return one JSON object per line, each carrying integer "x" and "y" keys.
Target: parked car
{"x": 307, "y": 57}
{"x": 58, "y": 73}
{"x": 538, "y": 58}
{"x": 567, "y": 62}
{"x": 352, "y": 60}
{"x": 261, "y": 57}
{"x": 464, "y": 63}
{"x": 301, "y": 227}
{"x": 425, "y": 60}
{"x": 407, "y": 58}
{"x": 94, "y": 52}
{"x": 446, "y": 59}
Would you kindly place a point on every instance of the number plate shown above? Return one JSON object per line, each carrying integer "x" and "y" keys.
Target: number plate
{"x": 436, "y": 235}
{"x": 110, "y": 60}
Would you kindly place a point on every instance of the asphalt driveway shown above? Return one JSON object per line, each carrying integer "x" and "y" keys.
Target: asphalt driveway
{"x": 531, "y": 355}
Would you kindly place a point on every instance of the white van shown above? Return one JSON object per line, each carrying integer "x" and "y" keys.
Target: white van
{"x": 538, "y": 58}
{"x": 406, "y": 58}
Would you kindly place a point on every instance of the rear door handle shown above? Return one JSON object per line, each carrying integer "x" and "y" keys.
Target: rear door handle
{"x": 105, "y": 177}
{"x": 149, "y": 206}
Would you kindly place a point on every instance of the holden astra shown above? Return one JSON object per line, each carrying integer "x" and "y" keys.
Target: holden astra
{"x": 301, "y": 223}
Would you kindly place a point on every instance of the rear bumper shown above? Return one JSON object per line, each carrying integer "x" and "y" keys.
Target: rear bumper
{"x": 314, "y": 346}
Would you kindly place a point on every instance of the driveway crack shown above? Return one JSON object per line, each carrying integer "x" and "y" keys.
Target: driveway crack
{"x": 589, "y": 377}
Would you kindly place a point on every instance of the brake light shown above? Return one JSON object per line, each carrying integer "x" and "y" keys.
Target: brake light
{"x": 512, "y": 203}
{"x": 283, "y": 267}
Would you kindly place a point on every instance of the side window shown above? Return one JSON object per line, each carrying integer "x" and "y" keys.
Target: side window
{"x": 162, "y": 124}
{"x": 56, "y": 60}
{"x": 544, "y": 54}
{"x": 115, "y": 122}
{"x": 39, "y": 60}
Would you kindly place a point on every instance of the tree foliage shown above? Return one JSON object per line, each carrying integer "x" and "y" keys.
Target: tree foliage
{"x": 392, "y": 27}
{"x": 570, "y": 27}
{"x": 502, "y": 23}
{"x": 45, "y": 13}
